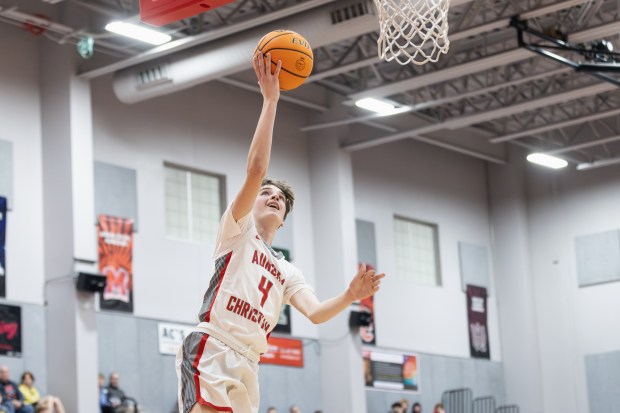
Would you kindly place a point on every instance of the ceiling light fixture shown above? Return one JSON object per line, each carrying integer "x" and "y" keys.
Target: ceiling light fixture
{"x": 379, "y": 106}
{"x": 138, "y": 32}
{"x": 547, "y": 160}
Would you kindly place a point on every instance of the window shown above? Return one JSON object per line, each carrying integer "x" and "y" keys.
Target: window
{"x": 417, "y": 251}
{"x": 194, "y": 204}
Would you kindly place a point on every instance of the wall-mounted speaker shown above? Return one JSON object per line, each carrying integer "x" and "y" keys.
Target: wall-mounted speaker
{"x": 88, "y": 282}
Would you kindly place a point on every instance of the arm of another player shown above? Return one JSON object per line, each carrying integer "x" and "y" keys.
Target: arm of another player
{"x": 260, "y": 149}
{"x": 365, "y": 284}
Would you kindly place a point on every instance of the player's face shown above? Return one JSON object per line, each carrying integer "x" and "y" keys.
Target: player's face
{"x": 270, "y": 204}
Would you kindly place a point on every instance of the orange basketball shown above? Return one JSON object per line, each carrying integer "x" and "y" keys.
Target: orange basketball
{"x": 295, "y": 53}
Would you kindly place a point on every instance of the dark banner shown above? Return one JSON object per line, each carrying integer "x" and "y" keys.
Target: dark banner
{"x": 368, "y": 334}
{"x": 10, "y": 330}
{"x": 477, "y": 316}
{"x": 116, "y": 262}
{"x": 284, "y": 322}
{"x": 2, "y": 247}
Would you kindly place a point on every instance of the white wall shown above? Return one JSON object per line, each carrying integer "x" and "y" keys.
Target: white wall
{"x": 572, "y": 321}
{"x": 210, "y": 128}
{"x": 421, "y": 182}
{"x": 20, "y": 123}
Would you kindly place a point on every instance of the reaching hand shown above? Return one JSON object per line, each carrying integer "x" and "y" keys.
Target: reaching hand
{"x": 365, "y": 283}
{"x": 269, "y": 83}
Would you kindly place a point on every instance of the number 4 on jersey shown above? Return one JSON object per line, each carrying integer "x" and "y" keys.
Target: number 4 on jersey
{"x": 264, "y": 286}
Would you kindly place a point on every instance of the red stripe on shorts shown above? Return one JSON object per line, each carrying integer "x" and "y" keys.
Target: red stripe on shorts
{"x": 217, "y": 289}
{"x": 199, "y": 399}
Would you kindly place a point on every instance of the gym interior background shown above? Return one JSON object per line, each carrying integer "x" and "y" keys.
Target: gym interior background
{"x": 544, "y": 243}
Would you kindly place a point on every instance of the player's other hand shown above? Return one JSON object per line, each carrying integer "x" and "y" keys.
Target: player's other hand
{"x": 365, "y": 283}
{"x": 269, "y": 83}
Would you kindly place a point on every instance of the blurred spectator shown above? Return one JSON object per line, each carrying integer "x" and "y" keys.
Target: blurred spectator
{"x": 294, "y": 409}
{"x": 104, "y": 404}
{"x": 13, "y": 399}
{"x": 397, "y": 408}
{"x": 272, "y": 410}
{"x": 32, "y": 396}
{"x": 417, "y": 408}
{"x": 116, "y": 398}
{"x": 439, "y": 408}
{"x": 3, "y": 408}
{"x": 404, "y": 404}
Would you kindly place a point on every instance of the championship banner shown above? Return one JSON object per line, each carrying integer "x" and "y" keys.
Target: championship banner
{"x": 2, "y": 246}
{"x": 477, "y": 316}
{"x": 171, "y": 336}
{"x": 10, "y": 330}
{"x": 388, "y": 371}
{"x": 116, "y": 262}
{"x": 284, "y": 352}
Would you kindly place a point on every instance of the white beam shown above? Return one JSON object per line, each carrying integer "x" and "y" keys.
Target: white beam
{"x": 437, "y": 102}
{"x": 588, "y": 144}
{"x": 286, "y": 98}
{"x": 557, "y": 125}
{"x": 489, "y": 115}
{"x": 451, "y": 147}
{"x": 598, "y": 164}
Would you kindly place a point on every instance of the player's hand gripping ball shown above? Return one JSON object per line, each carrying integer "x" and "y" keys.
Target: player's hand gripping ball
{"x": 295, "y": 53}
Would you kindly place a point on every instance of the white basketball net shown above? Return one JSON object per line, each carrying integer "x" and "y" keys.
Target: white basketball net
{"x": 413, "y": 30}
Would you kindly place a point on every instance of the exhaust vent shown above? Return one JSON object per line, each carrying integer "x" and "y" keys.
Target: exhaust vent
{"x": 153, "y": 76}
{"x": 352, "y": 11}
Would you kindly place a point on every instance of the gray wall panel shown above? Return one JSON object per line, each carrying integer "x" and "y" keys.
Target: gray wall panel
{"x": 603, "y": 378}
{"x": 115, "y": 192}
{"x": 474, "y": 263}
{"x": 282, "y": 387}
{"x": 6, "y": 171}
{"x": 284, "y": 236}
{"x": 598, "y": 258}
{"x": 366, "y": 244}
{"x": 129, "y": 346}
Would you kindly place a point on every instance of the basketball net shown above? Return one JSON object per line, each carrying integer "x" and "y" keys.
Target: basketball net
{"x": 413, "y": 31}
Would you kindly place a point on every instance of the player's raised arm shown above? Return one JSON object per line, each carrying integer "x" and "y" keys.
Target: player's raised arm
{"x": 260, "y": 149}
{"x": 364, "y": 284}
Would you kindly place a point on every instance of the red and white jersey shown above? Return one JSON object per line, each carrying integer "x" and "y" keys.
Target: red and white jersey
{"x": 249, "y": 285}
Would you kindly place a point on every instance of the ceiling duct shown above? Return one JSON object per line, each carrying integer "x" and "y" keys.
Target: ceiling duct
{"x": 233, "y": 54}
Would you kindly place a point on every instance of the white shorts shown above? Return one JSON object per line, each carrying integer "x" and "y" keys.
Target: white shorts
{"x": 216, "y": 376}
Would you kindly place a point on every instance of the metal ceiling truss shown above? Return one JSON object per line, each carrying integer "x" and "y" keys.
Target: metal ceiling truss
{"x": 485, "y": 83}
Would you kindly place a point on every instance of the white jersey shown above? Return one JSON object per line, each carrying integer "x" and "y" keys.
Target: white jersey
{"x": 249, "y": 285}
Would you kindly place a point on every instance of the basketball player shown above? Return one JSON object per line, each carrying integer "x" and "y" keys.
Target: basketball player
{"x": 217, "y": 364}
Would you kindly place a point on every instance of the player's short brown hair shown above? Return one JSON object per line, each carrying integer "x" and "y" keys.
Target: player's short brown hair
{"x": 289, "y": 196}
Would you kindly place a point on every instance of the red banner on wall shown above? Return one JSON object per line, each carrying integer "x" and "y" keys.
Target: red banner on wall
{"x": 116, "y": 262}
{"x": 10, "y": 330}
{"x": 284, "y": 352}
